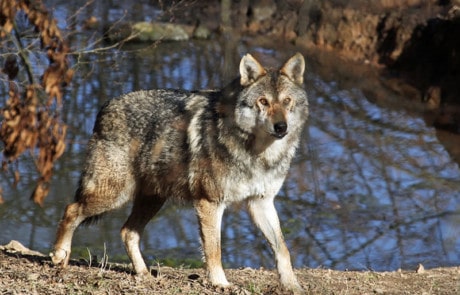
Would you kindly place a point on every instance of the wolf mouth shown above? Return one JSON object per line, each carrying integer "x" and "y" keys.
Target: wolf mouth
{"x": 279, "y": 135}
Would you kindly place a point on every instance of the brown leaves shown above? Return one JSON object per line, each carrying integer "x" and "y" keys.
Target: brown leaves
{"x": 17, "y": 128}
{"x": 37, "y": 14}
{"x": 8, "y": 10}
{"x": 31, "y": 120}
{"x": 51, "y": 144}
{"x": 56, "y": 76}
{"x": 29, "y": 126}
{"x": 40, "y": 192}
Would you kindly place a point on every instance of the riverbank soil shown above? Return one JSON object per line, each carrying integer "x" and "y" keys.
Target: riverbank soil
{"x": 26, "y": 272}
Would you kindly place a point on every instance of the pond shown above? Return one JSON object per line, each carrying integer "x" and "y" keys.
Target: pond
{"x": 371, "y": 186}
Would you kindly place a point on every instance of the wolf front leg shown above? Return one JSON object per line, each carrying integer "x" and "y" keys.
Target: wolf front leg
{"x": 210, "y": 220}
{"x": 264, "y": 215}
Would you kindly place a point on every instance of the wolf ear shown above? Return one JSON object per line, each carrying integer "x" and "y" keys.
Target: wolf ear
{"x": 250, "y": 70}
{"x": 294, "y": 68}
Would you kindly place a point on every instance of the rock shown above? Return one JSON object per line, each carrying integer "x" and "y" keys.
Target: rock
{"x": 432, "y": 97}
{"x": 201, "y": 32}
{"x": 146, "y": 32}
{"x": 420, "y": 268}
{"x": 16, "y": 247}
{"x": 193, "y": 277}
{"x": 263, "y": 10}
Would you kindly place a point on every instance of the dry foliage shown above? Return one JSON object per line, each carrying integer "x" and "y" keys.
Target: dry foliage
{"x": 25, "y": 271}
{"x": 31, "y": 116}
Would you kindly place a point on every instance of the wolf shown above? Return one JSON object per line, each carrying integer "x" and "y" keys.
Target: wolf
{"x": 208, "y": 148}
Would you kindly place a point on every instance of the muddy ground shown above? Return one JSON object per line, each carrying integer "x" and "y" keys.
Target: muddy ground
{"x": 29, "y": 272}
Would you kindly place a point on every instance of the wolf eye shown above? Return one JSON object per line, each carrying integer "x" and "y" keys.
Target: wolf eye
{"x": 263, "y": 101}
{"x": 287, "y": 100}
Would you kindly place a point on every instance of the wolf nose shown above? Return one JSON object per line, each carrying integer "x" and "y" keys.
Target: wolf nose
{"x": 280, "y": 127}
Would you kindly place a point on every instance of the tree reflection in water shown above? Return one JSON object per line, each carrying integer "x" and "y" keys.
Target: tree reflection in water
{"x": 371, "y": 187}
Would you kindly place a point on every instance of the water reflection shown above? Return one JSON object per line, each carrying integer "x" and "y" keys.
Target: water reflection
{"x": 371, "y": 187}
{"x": 386, "y": 190}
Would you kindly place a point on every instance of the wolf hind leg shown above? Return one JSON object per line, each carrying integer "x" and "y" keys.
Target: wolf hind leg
{"x": 143, "y": 211}
{"x": 73, "y": 217}
{"x": 92, "y": 201}
{"x": 264, "y": 215}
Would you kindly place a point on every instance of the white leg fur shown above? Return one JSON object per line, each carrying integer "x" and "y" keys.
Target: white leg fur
{"x": 131, "y": 240}
{"x": 264, "y": 215}
{"x": 210, "y": 220}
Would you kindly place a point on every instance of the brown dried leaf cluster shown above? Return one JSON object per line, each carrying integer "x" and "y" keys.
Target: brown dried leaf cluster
{"x": 8, "y": 10}
{"x": 30, "y": 122}
{"x": 51, "y": 39}
{"x": 19, "y": 121}
{"x": 29, "y": 126}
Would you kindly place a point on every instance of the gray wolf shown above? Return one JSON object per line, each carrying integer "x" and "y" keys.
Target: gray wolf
{"x": 209, "y": 148}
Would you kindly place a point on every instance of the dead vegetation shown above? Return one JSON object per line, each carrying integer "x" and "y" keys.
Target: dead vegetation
{"x": 31, "y": 115}
{"x": 24, "y": 271}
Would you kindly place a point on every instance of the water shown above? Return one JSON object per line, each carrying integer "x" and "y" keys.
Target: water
{"x": 371, "y": 186}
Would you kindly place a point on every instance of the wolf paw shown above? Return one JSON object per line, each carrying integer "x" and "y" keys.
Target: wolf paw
{"x": 218, "y": 279}
{"x": 59, "y": 256}
{"x": 293, "y": 286}
{"x": 296, "y": 289}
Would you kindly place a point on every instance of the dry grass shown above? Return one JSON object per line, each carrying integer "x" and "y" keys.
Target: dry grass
{"x": 32, "y": 274}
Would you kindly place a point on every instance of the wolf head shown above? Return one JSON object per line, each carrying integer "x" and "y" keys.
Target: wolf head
{"x": 272, "y": 103}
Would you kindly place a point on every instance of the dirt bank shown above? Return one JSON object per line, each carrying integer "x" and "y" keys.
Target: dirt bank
{"x": 26, "y": 272}
{"x": 414, "y": 40}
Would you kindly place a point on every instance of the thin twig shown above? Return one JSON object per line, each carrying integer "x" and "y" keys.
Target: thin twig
{"x": 21, "y": 52}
